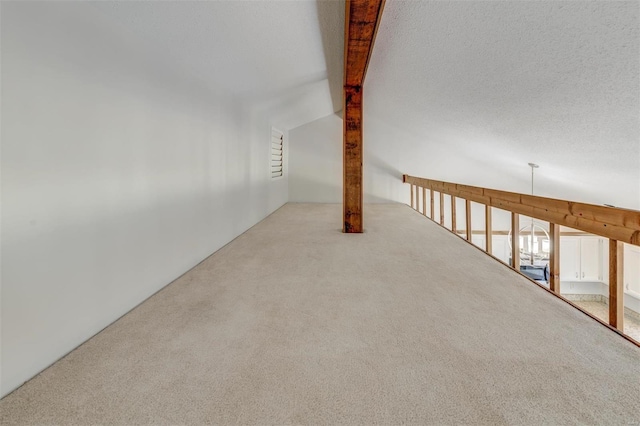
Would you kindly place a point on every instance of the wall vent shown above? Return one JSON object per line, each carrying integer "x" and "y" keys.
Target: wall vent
{"x": 277, "y": 142}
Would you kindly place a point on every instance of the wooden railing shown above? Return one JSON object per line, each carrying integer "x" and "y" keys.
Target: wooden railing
{"x": 618, "y": 225}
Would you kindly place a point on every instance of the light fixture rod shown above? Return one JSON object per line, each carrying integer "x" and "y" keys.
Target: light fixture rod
{"x": 533, "y": 167}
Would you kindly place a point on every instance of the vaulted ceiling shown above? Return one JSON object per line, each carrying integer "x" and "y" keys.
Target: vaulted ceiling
{"x": 464, "y": 91}
{"x": 473, "y": 91}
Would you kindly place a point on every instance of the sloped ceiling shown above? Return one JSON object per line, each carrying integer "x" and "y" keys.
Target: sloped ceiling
{"x": 256, "y": 51}
{"x": 473, "y": 91}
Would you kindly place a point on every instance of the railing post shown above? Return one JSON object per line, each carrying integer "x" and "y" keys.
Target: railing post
{"x": 453, "y": 214}
{"x": 468, "y": 212}
{"x": 488, "y": 233}
{"x": 554, "y": 258}
{"x": 424, "y": 201}
{"x": 412, "y": 186}
{"x": 515, "y": 241}
{"x": 616, "y": 286}
{"x": 432, "y": 203}
{"x": 441, "y": 208}
{"x": 417, "y": 198}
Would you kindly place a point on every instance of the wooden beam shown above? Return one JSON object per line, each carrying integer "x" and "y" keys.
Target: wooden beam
{"x": 362, "y": 18}
{"x": 468, "y": 213}
{"x": 424, "y": 201}
{"x": 418, "y": 199}
{"x": 554, "y": 258}
{"x": 488, "y": 232}
{"x": 616, "y": 284}
{"x": 453, "y": 215}
{"x": 610, "y": 222}
{"x": 515, "y": 241}
{"x": 442, "y": 208}
{"x": 352, "y": 192}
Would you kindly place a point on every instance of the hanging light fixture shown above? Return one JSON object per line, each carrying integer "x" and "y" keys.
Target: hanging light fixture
{"x": 531, "y": 236}
{"x": 537, "y": 255}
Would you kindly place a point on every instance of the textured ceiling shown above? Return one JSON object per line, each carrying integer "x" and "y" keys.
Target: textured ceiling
{"x": 476, "y": 90}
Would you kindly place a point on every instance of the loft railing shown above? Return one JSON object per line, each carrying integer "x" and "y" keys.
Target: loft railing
{"x": 618, "y": 225}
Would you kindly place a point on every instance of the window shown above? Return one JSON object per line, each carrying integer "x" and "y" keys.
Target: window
{"x": 277, "y": 139}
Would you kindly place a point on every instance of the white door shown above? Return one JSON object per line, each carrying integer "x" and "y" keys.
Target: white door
{"x": 590, "y": 259}
{"x": 569, "y": 259}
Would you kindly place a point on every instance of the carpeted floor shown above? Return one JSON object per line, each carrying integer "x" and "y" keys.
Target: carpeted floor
{"x": 294, "y": 322}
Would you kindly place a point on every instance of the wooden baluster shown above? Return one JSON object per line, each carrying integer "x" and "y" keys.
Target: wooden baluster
{"x": 453, "y": 214}
{"x": 554, "y": 258}
{"x": 424, "y": 201}
{"x": 441, "y": 208}
{"x": 468, "y": 211}
{"x": 488, "y": 234}
{"x": 433, "y": 202}
{"x": 515, "y": 241}
{"x": 412, "y": 186}
{"x": 616, "y": 285}
{"x": 417, "y": 198}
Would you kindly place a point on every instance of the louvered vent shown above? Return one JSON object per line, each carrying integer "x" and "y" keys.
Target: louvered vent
{"x": 276, "y": 153}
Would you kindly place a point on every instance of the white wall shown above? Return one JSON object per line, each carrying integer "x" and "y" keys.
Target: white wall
{"x": 117, "y": 177}
{"x": 316, "y": 173}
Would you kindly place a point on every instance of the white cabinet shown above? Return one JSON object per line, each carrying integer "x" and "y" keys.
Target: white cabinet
{"x": 569, "y": 259}
{"x": 632, "y": 269}
{"x": 590, "y": 259}
{"x": 581, "y": 259}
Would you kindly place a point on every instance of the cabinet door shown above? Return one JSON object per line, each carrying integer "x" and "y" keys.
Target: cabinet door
{"x": 569, "y": 259}
{"x": 632, "y": 269}
{"x": 589, "y": 259}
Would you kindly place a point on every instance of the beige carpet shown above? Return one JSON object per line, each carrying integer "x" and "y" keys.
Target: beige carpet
{"x": 295, "y": 322}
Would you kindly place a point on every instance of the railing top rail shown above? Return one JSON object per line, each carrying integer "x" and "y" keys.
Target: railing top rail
{"x": 610, "y": 222}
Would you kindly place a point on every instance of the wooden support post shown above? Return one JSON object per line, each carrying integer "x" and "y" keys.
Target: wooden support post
{"x": 554, "y": 258}
{"x": 616, "y": 284}
{"x": 424, "y": 201}
{"x": 515, "y": 241}
{"x": 441, "y": 208}
{"x": 453, "y": 214}
{"x": 362, "y": 19}
{"x": 468, "y": 212}
{"x": 353, "y": 160}
{"x": 418, "y": 199}
{"x": 488, "y": 233}
{"x": 433, "y": 202}
{"x": 412, "y": 192}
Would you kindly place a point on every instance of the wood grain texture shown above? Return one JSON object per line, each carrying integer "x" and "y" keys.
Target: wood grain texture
{"x": 468, "y": 221}
{"x": 554, "y": 258}
{"x": 433, "y": 202}
{"x": 412, "y": 192}
{"x": 616, "y": 284}
{"x": 515, "y": 241}
{"x": 610, "y": 222}
{"x": 488, "y": 232}
{"x": 454, "y": 223}
{"x": 362, "y": 18}
{"x": 424, "y": 201}
{"x": 353, "y": 160}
